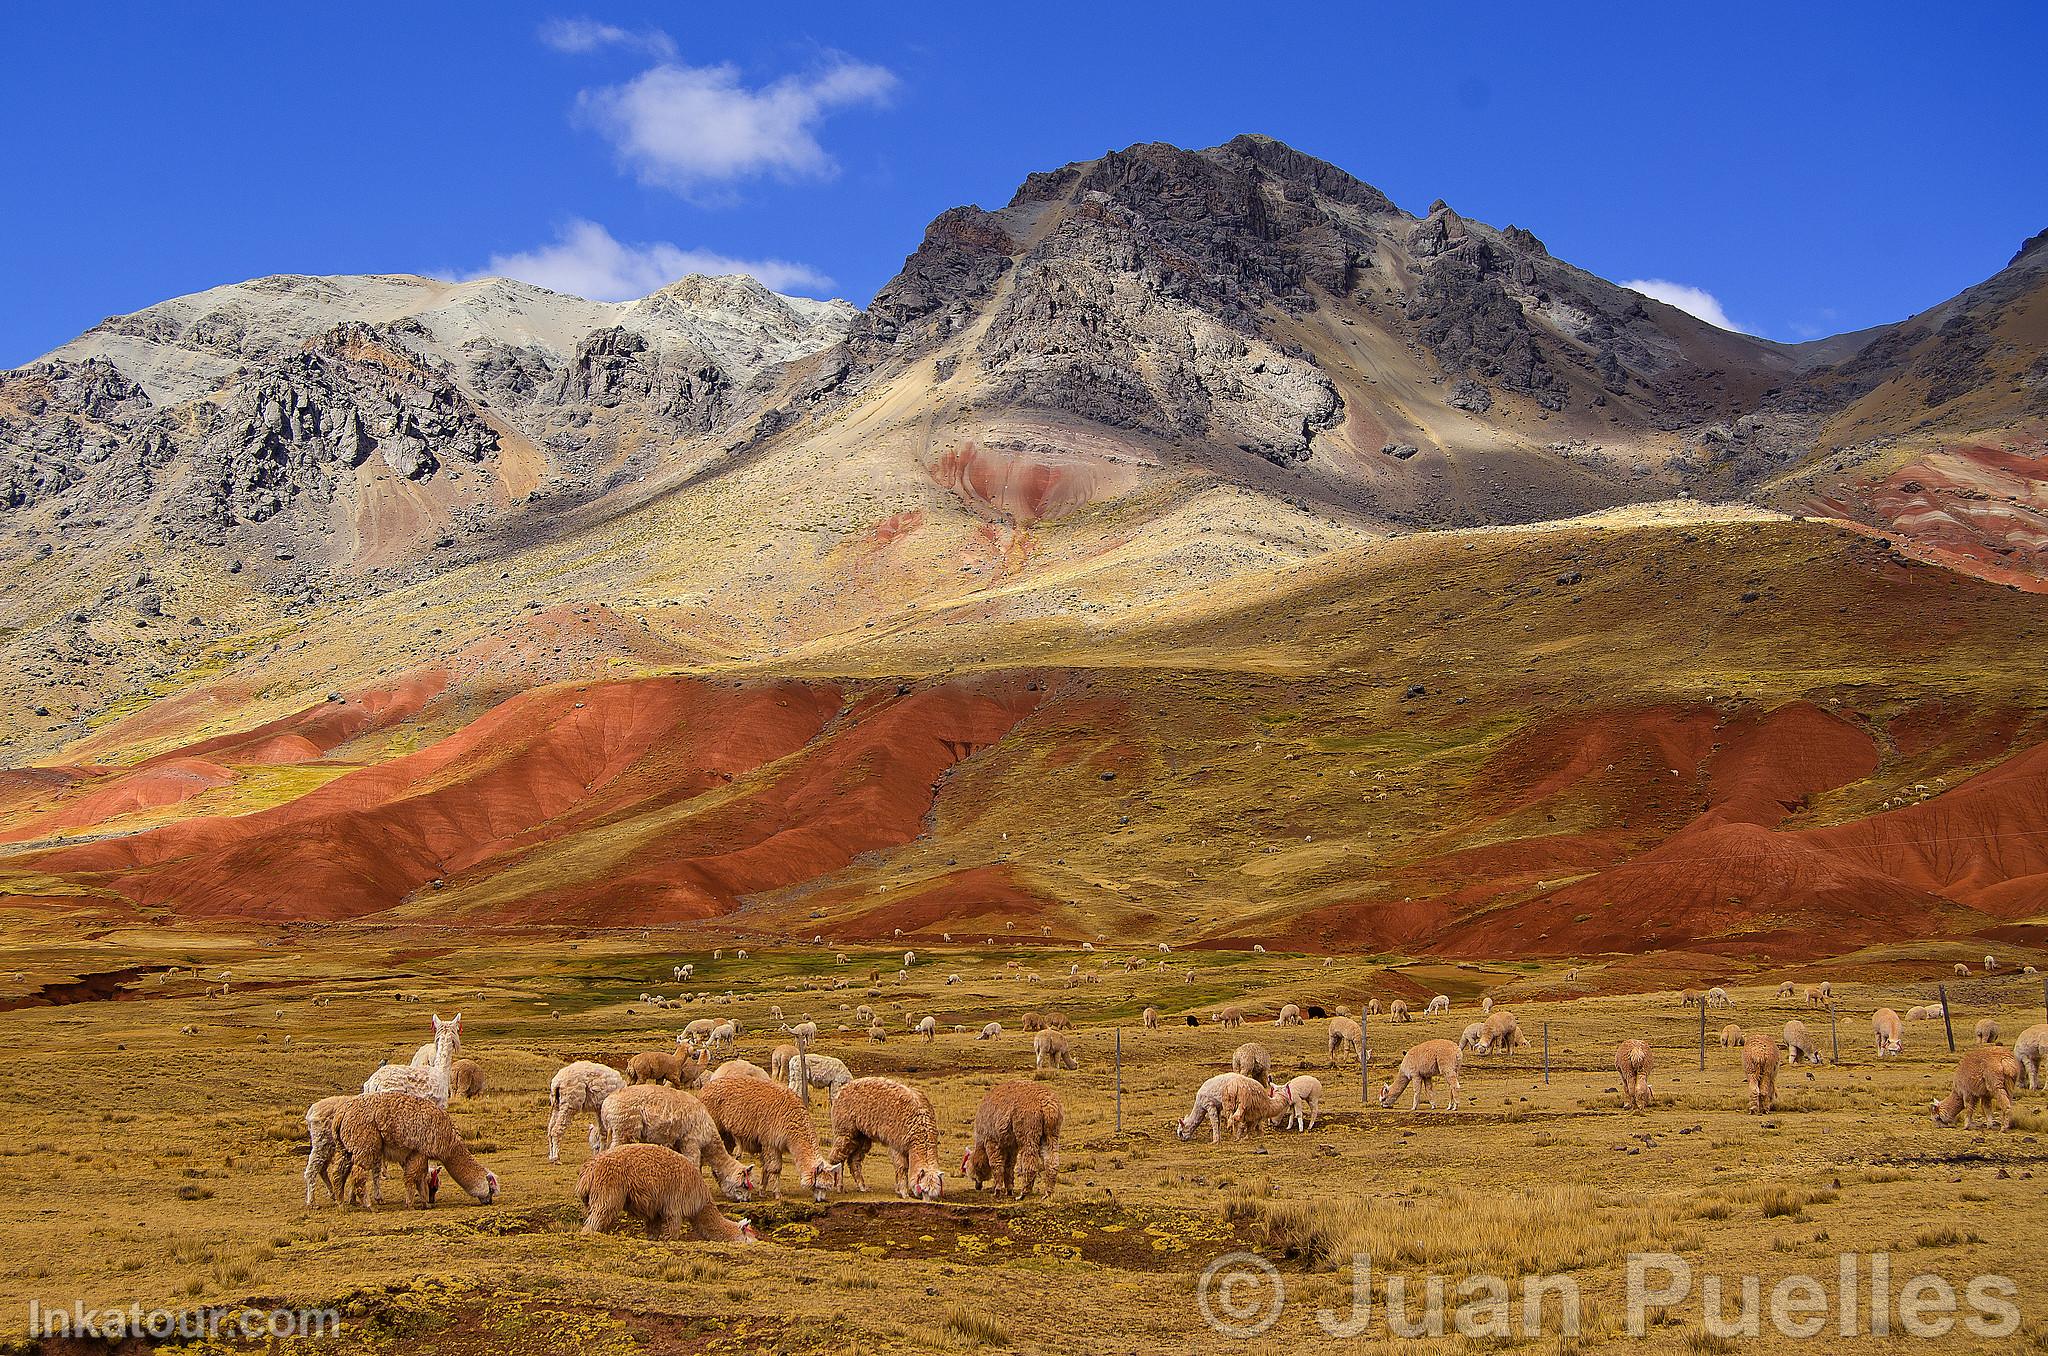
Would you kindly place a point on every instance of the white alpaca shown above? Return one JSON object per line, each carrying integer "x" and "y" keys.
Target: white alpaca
{"x": 1438, "y": 1004}
{"x": 430, "y": 1080}
{"x": 581, "y": 1086}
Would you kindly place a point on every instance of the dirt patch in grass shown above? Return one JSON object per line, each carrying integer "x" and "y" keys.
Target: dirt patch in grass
{"x": 1103, "y": 1234}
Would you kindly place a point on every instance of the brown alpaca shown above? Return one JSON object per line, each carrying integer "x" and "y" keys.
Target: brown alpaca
{"x": 400, "y": 1128}
{"x": 323, "y": 1135}
{"x": 1230, "y": 1017}
{"x": 652, "y": 1114}
{"x": 2031, "y": 1050}
{"x": 1252, "y": 1060}
{"x": 1501, "y": 1032}
{"x": 1421, "y": 1066}
{"x": 1151, "y": 1019}
{"x": 661, "y": 1187}
{"x": 1760, "y": 1068}
{"x": 680, "y": 1068}
{"x": 1632, "y": 1062}
{"x": 466, "y": 1079}
{"x": 768, "y": 1119}
{"x": 1398, "y": 1010}
{"x": 1050, "y": 1047}
{"x": 1058, "y": 1021}
{"x": 1034, "y": 1021}
{"x": 1731, "y": 1036}
{"x": 1985, "y": 1079}
{"x": 1248, "y": 1104}
{"x": 1345, "y": 1037}
{"x": 1890, "y": 1035}
{"x": 778, "y": 1061}
{"x": 1987, "y": 1031}
{"x": 1016, "y": 1127}
{"x": 871, "y": 1111}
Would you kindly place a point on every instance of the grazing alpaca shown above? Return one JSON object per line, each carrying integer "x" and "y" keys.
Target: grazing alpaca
{"x": 1249, "y": 1104}
{"x": 1345, "y": 1037}
{"x": 1252, "y": 1060}
{"x": 1421, "y": 1066}
{"x": 1785, "y": 989}
{"x": 818, "y": 1071}
{"x": 661, "y": 1187}
{"x": 428, "y": 1080}
{"x": 581, "y": 1086}
{"x": 1717, "y": 997}
{"x": 1208, "y": 1106}
{"x": 872, "y": 1111}
{"x": 466, "y": 1079}
{"x": 1050, "y": 1047}
{"x": 652, "y": 1114}
{"x": 1632, "y": 1062}
{"x": 1474, "y": 1036}
{"x": 1962, "y": 970}
{"x": 397, "y": 1127}
{"x": 1290, "y": 1015}
{"x": 1151, "y": 1019}
{"x": 323, "y": 1135}
{"x": 1814, "y": 997}
{"x": 1305, "y": 1102}
{"x": 1800, "y": 1043}
{"x": 1987, "y": 1031}
{"x": 778, "y": 1061}
{"x": 1985, "y": 1079}
{"x": 1891, "y": 1037}
{"x": 1438, "y": 1005}
{"x": 2031, "y": 1050}
{"x": 1372, "y": 1007}
{"x": 1731, "y": 1036}
{"x": 767, "y": 1119}
{"x": 1486, "y": 1006}
{"x": 1688, "y": 997}
{"x": 1230, "y": 1017}
{"x": 928, "y": 1028}
{"x": 1398, "y": 1010}
{"x": 1760, "y": 1069}
{"x": 1501, "y": 1032}
{"x": 681, "y": 1068}
{"x": 1016, "y": 1129}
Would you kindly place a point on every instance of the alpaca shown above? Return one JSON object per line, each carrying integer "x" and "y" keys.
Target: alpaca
{"x": 740, "y": 1068}
{"x": 1474, "y": 1036}
{"x": 1891, "y": 1038}
{"x": 1422, "y": 1066}
{"x": 1731, "y": 1036}
{"x": 1437, "y": 1005}
{"x": 323, "y": 1135}
{"x": 1987, "y": 1031}
{"x": 1962, "y": 970}
{"x": 990, "y": 1031}
{"x": 724, "y": 1036}
{"x": 1305, "y": 1102}
{"x": 872, "y": 1111}
{"x": 768, "y": 1119}
{"x": 428, "y": 1080}
{"x": 1058, "y": 1021}
{"x": 399, "y": 1127}
{"x": 1486, "y": 1006}
{"x": 1229, "y": 1017}
{"x": 682, "y": 1068}
{"x": 1252, "y": 1060}
{"x": 928, "y": 1028}
{"x": 696, "y": 1032}
{"x": 1688, "y": 997}
{"x": 1345, "y": 1037}
{"x": 648, "y": 1113}
{"x": 778, "y": 1061}
{"x": 1800, "y": 1043}
{"x": 1034, "y": 1021}
{"x": 809, "y": 1071}
{"x": 1501, "y": 1032}
{"x": 1717, "y": 997}
{"x": 1050, "y": 1047}
{"x": 1372, "y": 1007}
{"x": 1249, "y": 1104}
{"x": 1016, "y": 1132}
{"x": 1760, "y": 1070}
{"x": 2031, "y": 1050}
{"x": 1785, "y": 989}
{"x": 1814, "y": 997}
{"x": 1208, "y": 1106}
{"x": 581, "y": 1086}
{"x": 663, "y": 1188}
{"x": 1151, "y": 1019}
{"x": 1990, "y": 965}
{"x": 1398, "y": 1010}
{"x": 1290, "y": 1015}
{"x": 1985, "y": 1079}
{"x": 466, "y": 1079}
{"x": 1632, "y": 1062}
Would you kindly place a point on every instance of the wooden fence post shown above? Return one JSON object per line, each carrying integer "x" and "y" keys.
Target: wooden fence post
{"x": 1947, "y": 1025}
{"x": 1119, "y": 1080}
{"x": 1834, "y": 1034}
{"x": 1703, "y": 1033}
{"x": 1364, "y": 1052}
{"x": 1546, "y": 1053}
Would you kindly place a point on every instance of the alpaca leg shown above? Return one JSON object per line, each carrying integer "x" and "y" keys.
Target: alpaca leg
{"x": 771, "y": 1170}
{"x": 416, "y": 1182}
{"x": 558, "y": 1121}
{"x": 900, "y": 1161}
{"x": 1214, "y": 1115}
{"x": 2001, "y": 1103}
{"x": 1452, "y": 1079}
{"x": 1027, "y": 1167}
{"x": 602, "y": 1208}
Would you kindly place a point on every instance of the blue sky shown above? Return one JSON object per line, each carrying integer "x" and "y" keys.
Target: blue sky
{"x": 1812, "y": 168}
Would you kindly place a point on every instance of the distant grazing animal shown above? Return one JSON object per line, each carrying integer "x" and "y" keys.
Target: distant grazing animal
{"x": 681, "y": 1068}
{"x": 1984, "y": 1083}
{"x": 1421, "y": 1066}
{"x": 1151, "y": 1019}
{"x": 1501, "y": 1032}
{"x": 1290, "y": 1015}
{"x": 1252, "y": 1060}
{"x": 1632, "y": 1062}
{"x": 1785, "y": 989}
{"x": 1305, "y": 1102}
{"x": 1398, "y": 1010}
{"x": 1688, "y": 997}
{"x": 1372, "y": 1007}
{"x": 1890, "y": 1036}
{"x": 1990, "y": 965}
{"x": 466, "y": 1079}
{"x": 1345, "y": 1037}
{"x": 1962, "y": 970}
{"x": 1016, "y": 1133}
{"x": 1050, "y": 1047}
{"x": 1717, "y": 997}
{"x": 581, "y": 1086}
{"x": 1439, "y": 1004}
{"x": 817, "y": 1071}
{"x": 990, "y": 1031}
{"x": 1760, "y": 1070}
{"x": 1229, "y": 1017}
{"x": 1814, "y": 997}
{"x": 1486, "y": 1005}
{"x": 928, "y": 1027}
{"x": 1034, "y": 1021}
{"x": 1731, "y": 1036}
{"x": 1474, "y": 1036}
{"x": 1987, "y": 1031}
{"x": 659, "y": 1186}
{"x": 1800, "y": 1044}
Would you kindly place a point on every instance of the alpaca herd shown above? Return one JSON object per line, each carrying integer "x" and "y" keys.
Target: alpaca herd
{"x": 662, "y": 1121}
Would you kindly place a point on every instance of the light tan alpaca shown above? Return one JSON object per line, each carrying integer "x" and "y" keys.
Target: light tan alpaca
{"x": 1304, "y": 1102}
{"x": 1290, "y": 1015}
{"x": 1016, "y": 1132}
{"x": 1050, "y": 1047}
{"x": 1398, "y": 1010}
{"x": 1688, "y": 997}
{"x": 681, "y": 1067}
{"x": 1208, "y": 1106}
{"x": 1987, "y": 1031}
{"x": 649, "y": 1113}
{"x": 658, "y": 1185}
{"x": 579, "y": 1086}
{"x": 323, "y": 1135}
{"x": 1253, "y": 1061}
{"x": 1486, "y": 1006}
{"x": 767, "y": 1119}
{"x": 928, "y": 1028}
{"x": 1889, "y": 1034}
{"x": 1985, "y": 1079}
{"x": 1501, "y": 1032}
{"x": 1034, "y": 1021}
{"x": 1151, "y": 1019}
{"x": 739, "y": 1068}
{"x": 401, "y": 1128}
{"x": 1632, "y": 1062}
{"x": 1372, "y": 1007}
{"x": 871, "y": 1111}
{"x": 1249, "y": 1104}
{"x": 778, "y": 1061}
{"x": 466, "y": 1079}
{"x": 1474, "y": 1036}
{"x": 1760, "y": 1070}
{"x": 1230, "y": 1017}
{"x": 1717, "y": 997}
{"x": 1962, "y": 970}
{"x": 1345, "y": 1037}
{"x": 1800, "y": 1044}
{"x": 1814, "y": 998}
{"x": 1785, "y": 989}
{"x": 1731, "y": 1036}
{"x": 2031, "y": 1050}
{"x": 1421, "y": 1066}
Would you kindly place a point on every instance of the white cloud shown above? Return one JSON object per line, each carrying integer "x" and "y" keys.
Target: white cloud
{"x": 577, "y": 36}
{"x": 1694, "y": 301}
{"x": 684, "y": 127}
{"x": 585, "y": 261}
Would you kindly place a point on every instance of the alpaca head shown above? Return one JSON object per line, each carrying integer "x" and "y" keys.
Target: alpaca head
{"x": 816, "y": 1181}
{"x": 433, "y": 1183}
{"x": 748, "y": 1234}
{"x": 928, "y": 1184}
{"x": 1386, "y": 1094}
